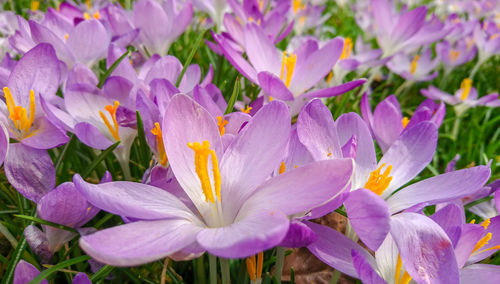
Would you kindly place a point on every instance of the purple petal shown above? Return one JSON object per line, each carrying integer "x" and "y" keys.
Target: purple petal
{"x": 480, "y": 273}
{"x": 470, "y": 235}
{"x": 298, "y": 235}
{"x": 450, "y": 218}
{"x": 369, "y": 216}
{"x": 261, "y": 51}
{"x": 365, "y": 271}
{"x": 335, "y": 91}
{"x": 38, "y": 243}
{"x": 425, "y": 249}
{"x": 91, "y": 136}
{"x": 25, "y": 272}
{"x": 81, "y": 278}
{"x": 273, "y": 86}
{"x": 88, "y": 41}
{"x": 4, "y": 142}
{"x": 139, "y": 242}
{"x": 387, "y": 125}
{"x": 30, "y": 171}
{"x": 441, "y": 188}
{"x": 45, "y": 136}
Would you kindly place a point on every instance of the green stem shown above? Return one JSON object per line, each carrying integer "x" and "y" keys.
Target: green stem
{"x": 113, "y": 67}
{"x": 212, "y": 262}
{"x": 190, "y": 57}
{"x": 200, "y": 269}
{"x": 224, "y": 267}
{"x": 335, "y": 277}
{"x": 456, "y": 126}
{"x": 280, "y": 260}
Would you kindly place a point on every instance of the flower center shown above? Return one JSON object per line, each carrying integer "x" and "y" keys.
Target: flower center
{"x": 159, "y": 144}
{"x": 113, "y": 129}
{"x": 221, "y": 122}
{"x": 405, "y": 121}
{"x": 414, "y": 64}
{"x": 297, "y": 6}
{"x": 378, "y": 182}
{"x": 454, "y": 54}
{"x": 347, "y": 48}
{"x": 287, "y": 66}
{"x": 201, "y": 153}
{"x": 96, "y": 15}
{"x": 254, "y": 266}
{"x": 465, "y": 88}
{"x": 398, "y": 279}
{"x": 246, "y": 109}
{"x": 18, "y": 114}
{"x": 484, "y": 240}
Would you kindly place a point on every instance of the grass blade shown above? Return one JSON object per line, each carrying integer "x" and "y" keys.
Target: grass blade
{"x": 58, "y": 266}
{"x": 48, "y": 223}
{"x": 234, "y": 96}
{"x": 190, "y": 57}
{"x": 113, "y": 66}
{"x": 99, "y": 159}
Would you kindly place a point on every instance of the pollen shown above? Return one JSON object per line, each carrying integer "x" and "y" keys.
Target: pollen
{"x": 113, "y": 129}
{"x": 297, "y": 6}
{"x": 254, "y": 266}
{"x": 347, "y": 48}
{"x": 287, "y": 67}
{"x": 18, "y": 114}
{"x": 221, "y": 122}
{"x": 465, "y": 87}
{"x": 201, "y": 154}
{"x": 160, "y": 146}
{"x": 482, "y": 242}
{"x": 414, "y": 64}
{"x": 378, "y": 182}
{"x": 405, "y": 121}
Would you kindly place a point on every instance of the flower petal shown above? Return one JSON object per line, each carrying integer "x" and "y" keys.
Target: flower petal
{"x": 365, "y": 271}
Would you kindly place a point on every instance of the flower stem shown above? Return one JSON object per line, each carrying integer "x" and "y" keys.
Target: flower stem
{"x": 335, "y": 277}
{"x": 224, "y": 267}
{"x": 212, "y": 262}
{"x": 280, "y": 260}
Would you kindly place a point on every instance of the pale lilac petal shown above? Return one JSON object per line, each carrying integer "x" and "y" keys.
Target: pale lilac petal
{"x": 336, "y": 90}
{"x": 167, "y": 67}
{"x": 134, "y": 200}
{"x": 25, "y": 272}
{"x": 4, "y": 142}
{"x": 91, "y": 136}
{"x": 185, "y": 122}
{"x": 30, "y": 171}
{"x": 317, "y": 131}
{"x": 425, "y": 249}
{"x": 334, "y": 249}
{"x": 273, "y": 86}
{"x": 154, "y": 24}
{"x": 81, "y": 278}
{"x": 441, "y": 188}
{"x": 298, "y": 235}
{"x": 410, "y": 154}
{"x": 408, "y": 24}
{"x": 365, "y": 271}
{"x": 139, "y": 242}
{"x": 261, "y": 51}
{"x": 45, "y": 136}
{"x": 369, "y": 216}
{"x": 88, "y": 41}
{"x": 450, "y": 218}
{"x": 387, "y": 125}
{"x": 191, "y": 77}
{"x": 480, "y": 273}
{"x": 41, "y": 34}
{"x": 470, "y": 235}
{"x": 235, "y": 58}
{"x": 38, "y": 243}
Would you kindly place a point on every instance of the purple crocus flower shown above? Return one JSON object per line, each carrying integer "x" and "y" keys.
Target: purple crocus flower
{"x": 415, "y": 68}
{"x": 28, "y": 166}
{"x": 453, "y": 55}
{"x": 406, "y": 30}
{"x": 287, "y": 76}
{"x": 25, "y": 272}
{"x": 387, "y": 123}
{"x": 375, "y": 192}
{"x": 417, "y": 248}
{"x": 487, "y": 41}
{"x": 214, "y": 8}
{"x": 238, "y": 210}
{"x": 464, "y": 98}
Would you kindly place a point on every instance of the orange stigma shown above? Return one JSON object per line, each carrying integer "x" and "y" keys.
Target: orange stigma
{"x": 18, "y": 114}
{"x": 378, "y": 182}
{"x": 159, "y": 144}
{"x": 287, "y": 66}
{"x": 113, "y": 129}
{"x": 201, "y": 153}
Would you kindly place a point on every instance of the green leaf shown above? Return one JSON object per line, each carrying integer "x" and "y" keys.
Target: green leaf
{"x": 99, "y": 159}
{"x": 102, "y": 273}
{"x": 45, "y": 222}
{"x": 234, "y": 96}
{"x": 190, "y": 57}
{"x": 143, "y": 144}
{"x": 44, "y": 274}
{"x": 113, "y": 66}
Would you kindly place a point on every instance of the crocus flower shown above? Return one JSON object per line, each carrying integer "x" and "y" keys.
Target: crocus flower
{"x": 214, "y": 8}
{"x": 415, "y": 68}
{"x": 28, "y": 166}
{"x": 406, "y": 30}
{"x": 375, "y": 192}
{"x": 238, "y": 213}
{"x": 487, "y": 42}
{"x": 25, "y": 272}
{"x": 287, "y": 76}
{"x": 453, "y": 55}
{"x": 417, "y": 248}
{"x": 387, "y": 123}
{"x": 464, "y": 98}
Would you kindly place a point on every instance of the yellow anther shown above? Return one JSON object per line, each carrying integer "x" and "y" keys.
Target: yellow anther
{"x": 329, "y": 77}
{"x": 88, "y": 3}
{"x": 96, "y": 15}
{"x": 486, "y": 223}
{"x": 66, "y": 36}
{"x": 378, "y": 182}
{"x": 246, "y": 109}
{"x": 482, "y": 242}
{"x": 113, "y": 129}
{"x": 406, "y": 278}
{"x": 405, "y": 121}
{"x": 414, "y": 64}
{"x": 19, "y": 114}
{"x": 346, "y": 51}
{"x": 493, "y": 36}
{"x": 297, "y": 6}
{"x": 302, "y": 20}
{"x": 35, "y": 4}
{"x": 86, "y": 16}
{"x": 454, "y": 54}
{"x": 270, "y": 98}
{"x": 288, "y": 63}
{"x": 473, "y": 221}
{"x": 159, "y": 144}
{"x": 221, "y": 122}
{"x": 261, "y": 4}
{"x": 254, "y": 266}
{"x": 201, "y": 153}
{"x": 470, "y": 43}
{"x": 465, "y": 88}
{"x": 329, "y": 154}
{"x": 282, "y": 168}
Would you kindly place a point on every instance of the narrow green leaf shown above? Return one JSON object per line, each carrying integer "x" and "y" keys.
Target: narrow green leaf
{"x": 190, "y": 57}
{"x": 16, "y": 256}
{"x": 102, "y": 273}
{"x": 234, "y": 96}
{"x": 45, "y": 222}
{"x": 143, "y": 144}
{"x": 99, "y": 159}
{"x": 44, "y": 274}
{"x": 61, "y": 156}
{"x": 113, "y": 66}
{"x": 476, "y": 202}
{"x": 341, "y": 212}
